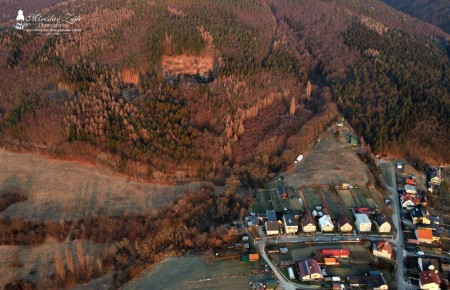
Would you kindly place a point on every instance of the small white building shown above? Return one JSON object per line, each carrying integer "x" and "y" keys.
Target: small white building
{"x": 363, "y": 223}
{"x": 326, "y": 224}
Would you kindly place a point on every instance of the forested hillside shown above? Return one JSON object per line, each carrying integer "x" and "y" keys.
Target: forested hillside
{"x": 168, "y": 90}
{"x": 436, "y": 12}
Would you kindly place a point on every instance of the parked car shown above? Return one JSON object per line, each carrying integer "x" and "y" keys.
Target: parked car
{"x": 420, "y": 253}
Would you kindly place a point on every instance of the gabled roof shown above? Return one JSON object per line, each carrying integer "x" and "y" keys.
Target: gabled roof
{"x": 384, "y": 246}
{"x": 362, "y": 218}
{"x": 424, "y": 263}
{"x": 343, "y": 220}
{"x": 335, "y": 252}
{"x": 369, "y": 281}
{"x": 325, "y": 221}
{"x": 428, "y": 277}
{"x": 426, "y": 234}
{"x": 271, "y": 226}
{"x": 380, "y": 220}
{"x": 289, "y": 219}
{"x": 307, "y": 219}
{"x": 253, "y": 257}
{"x": 410, "y": 181}
{"x": 309, "y": 267}
{"x": 418, "y": 212}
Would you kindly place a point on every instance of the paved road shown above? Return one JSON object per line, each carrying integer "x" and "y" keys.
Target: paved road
{"x": 283, "y": 282}
{"x": 399, "y": 241}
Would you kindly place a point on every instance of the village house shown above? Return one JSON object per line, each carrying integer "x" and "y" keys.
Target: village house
{"x": 253, "y": 257}
{"x": 429, "y": 280}
{"x": 290, "y": 224}
{"x": 424, "y": 235}
{"x": 308, "y": 224}
{"x": 435, "y": 236}
{"x": 331, "y": 261}
{"x": 428, "y": 264}
{"x": 326, "y": 225}
{"x": 338, "y": 253}
{"x": 363, "y": 223}
{"x": 411, "y": 189}
{"x": 382, "y": 224}
{"x": 344, "y": 225}
{"x": 409, "y": 202}
{"x": 382, "y": 249}
{"x": 372, "y": 280}
{"x": 309, "y": 270}
{"x": 420, "y": 215}
{"x": 272, "y": 228}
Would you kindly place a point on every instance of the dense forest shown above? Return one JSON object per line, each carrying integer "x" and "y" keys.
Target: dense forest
{"x": 431, "y": 11}
{"x": 278, "y": 73}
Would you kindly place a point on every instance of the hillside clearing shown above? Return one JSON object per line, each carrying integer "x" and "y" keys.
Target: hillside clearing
{"x": 69, "y": 190}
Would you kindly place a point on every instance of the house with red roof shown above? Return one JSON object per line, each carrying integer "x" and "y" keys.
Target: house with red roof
{"x": 309, "y": 270}
{"x": 382, "y": 249}
{"x": 424, "y": 235}
{"x": 429, "y": 280}
{"x": 338, "y": 253}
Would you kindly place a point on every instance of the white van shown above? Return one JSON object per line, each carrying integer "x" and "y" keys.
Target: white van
{"x": 420, "y": 253}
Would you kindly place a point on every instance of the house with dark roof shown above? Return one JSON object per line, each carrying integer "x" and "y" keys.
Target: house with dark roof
{"x": 382, "y": 224}
{"x": 428, "y": 264}
{"x": 419, "y": 215}
{"x": 290, "y": 224}
{"x": 372, "y": 280}
{"x": 309, "y": 270}
{"x": 429, "y": 280}
{"x": 308, "y": 224}
{"x": 272, "y": 228}
{"x": 344, "y": 225}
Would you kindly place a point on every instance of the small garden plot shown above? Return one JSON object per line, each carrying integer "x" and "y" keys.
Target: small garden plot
{"x": 330, "y": 198}
{"x": 262, "y": 201}
{"x": 276, "y": 205}
{"x": 347, "y": 197}
{"x": 360, "y": 197}
{"x": 312, "y": 196}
